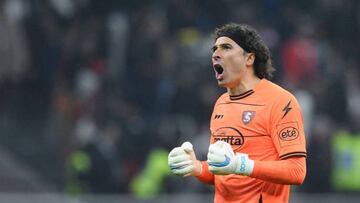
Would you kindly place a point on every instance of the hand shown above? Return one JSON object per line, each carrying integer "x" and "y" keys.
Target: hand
{"x": 182, "y": 161}
{"x": 223, "y": 161}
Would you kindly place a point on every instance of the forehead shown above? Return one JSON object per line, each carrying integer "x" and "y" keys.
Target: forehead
{"x": 226, "y": 40}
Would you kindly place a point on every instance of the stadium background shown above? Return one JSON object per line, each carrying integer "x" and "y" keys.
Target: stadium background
{"x": 95, "y": 93}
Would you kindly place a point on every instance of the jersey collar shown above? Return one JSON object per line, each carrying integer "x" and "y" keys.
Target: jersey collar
{"x": 249, "y": 92}
{"x": 241, "y": 96}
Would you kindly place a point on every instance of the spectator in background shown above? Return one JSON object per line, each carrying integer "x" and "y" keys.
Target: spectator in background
{"x": 14, "y": 54}
{"x": 300, "y": 57}
{"x": 95, "y": 165}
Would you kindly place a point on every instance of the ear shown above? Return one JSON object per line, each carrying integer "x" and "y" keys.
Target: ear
{"x": 250, "y": 59}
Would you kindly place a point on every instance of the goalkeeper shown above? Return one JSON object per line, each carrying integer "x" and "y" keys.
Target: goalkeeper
{"x": 257, "y": 143}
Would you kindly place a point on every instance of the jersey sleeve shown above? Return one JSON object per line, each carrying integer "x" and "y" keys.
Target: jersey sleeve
{"x": 291, "y": 171}
{"x": 287, "y": 128}
{"x": 206, "y": 176}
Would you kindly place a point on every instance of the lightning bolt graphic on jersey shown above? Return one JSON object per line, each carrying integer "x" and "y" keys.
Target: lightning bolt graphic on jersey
{"x": 286, "y": 109}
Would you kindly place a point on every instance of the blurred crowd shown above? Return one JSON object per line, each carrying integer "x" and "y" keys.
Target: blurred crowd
{"x": 90, "y": 88}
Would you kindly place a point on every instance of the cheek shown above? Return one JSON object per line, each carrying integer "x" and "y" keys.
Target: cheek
{"x": 236, "y": 65}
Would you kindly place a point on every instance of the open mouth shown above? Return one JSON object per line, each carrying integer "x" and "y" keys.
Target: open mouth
{"x": 219, "y": 69}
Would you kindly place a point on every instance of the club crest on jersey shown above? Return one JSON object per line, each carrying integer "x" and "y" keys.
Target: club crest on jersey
{"x": 247, "y": 116}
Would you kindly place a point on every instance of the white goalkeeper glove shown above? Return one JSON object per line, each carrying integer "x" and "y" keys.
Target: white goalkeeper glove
{"x": 223, "y": 161}
{"x": 182, "y": 161}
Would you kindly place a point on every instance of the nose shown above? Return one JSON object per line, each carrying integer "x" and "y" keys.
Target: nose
{"x": 215, "y": 57}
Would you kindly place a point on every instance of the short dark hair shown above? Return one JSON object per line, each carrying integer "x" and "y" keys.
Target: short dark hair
{"x": 250, "y": 40}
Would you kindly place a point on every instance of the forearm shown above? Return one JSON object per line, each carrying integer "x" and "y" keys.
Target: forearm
{"x": 206, "y": 176}
{"x": 290, "y": 171}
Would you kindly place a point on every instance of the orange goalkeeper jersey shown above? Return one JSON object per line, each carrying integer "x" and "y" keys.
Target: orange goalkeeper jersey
{"x": 266, "y": 123}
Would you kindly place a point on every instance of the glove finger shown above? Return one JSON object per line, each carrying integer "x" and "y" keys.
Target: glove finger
{"x": 188, "y": 147}
{"x": 218, "y": 160}
{"x": 222, "y": 148}
{"x": 227, "y": 148}
{"x": 184, "y": 171}
{"x": 215, "y": 149}
{"x": 223, "y": 145}
{"x": 220, "y": 143}
{"x": 178, "y": 159}
{"x": 216, "y": 157}
{"x": 176, "y": 152}
{"x": 180, "y": 165}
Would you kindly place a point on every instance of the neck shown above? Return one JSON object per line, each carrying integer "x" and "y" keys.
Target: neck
{"x": 243, "y": 86}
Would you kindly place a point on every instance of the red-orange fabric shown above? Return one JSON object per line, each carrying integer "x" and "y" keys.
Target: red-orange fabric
{"x": 290, "y": 171}
{"x": 206, "y": 176}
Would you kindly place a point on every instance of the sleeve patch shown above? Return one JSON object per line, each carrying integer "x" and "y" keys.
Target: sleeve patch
{"x": 288, "y": 134}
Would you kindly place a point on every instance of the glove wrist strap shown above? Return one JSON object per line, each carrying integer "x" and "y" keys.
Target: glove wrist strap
{"x": 244, "y": 165}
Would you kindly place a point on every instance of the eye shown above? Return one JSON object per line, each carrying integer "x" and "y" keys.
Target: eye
{"x": 213, "y": 49}
{"x": 226, "y": 46}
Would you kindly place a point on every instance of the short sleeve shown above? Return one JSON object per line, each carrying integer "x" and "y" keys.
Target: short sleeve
{"x": 287, "y": 128}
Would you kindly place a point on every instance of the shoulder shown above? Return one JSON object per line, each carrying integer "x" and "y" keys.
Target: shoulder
{"x": 222, "y": 98}
{"x": 281, "y": 101}
{"x": 276, "y": 93}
